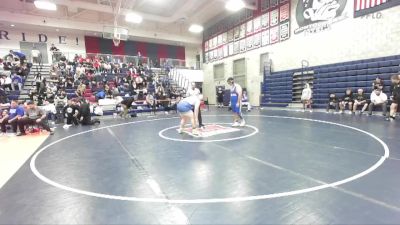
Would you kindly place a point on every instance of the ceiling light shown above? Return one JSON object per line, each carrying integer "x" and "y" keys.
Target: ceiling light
{"x": 234, "y": 5}
{"x": 194, "y": 28}
{"x": 12, "y": 25}
{"x": 46, "y": 5}
{"x": 133, "y": 18}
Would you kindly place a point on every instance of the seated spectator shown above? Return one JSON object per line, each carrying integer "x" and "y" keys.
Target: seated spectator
{"x": 347, "y": 100}
{"x": 6, "y": 82}
{"x": 395, "y": 96}
{"x": 33, "y": 116}
{"x": 306, "y": 97}
{"x": 333, "y": 102}
{"x": 377, "y": 84}
{"x": 360, "y": 100}
{"x": 245, "y": 101}
{"x": 17, "y": 83}
{"x": 16, "y": 112}
{"x": 378, "y": 99}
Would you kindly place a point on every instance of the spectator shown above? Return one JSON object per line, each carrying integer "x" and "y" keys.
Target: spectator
{"x": 125, "y": 104}
{"x": 33, "y": 116}
{"x": 395, "y": 96}
{"x": 7, "y": 82}
{"x": 38, "y": 80}
{"x": 17, "y": 82}
{"x": 245, "y": 100}
{"x": 220, "y": 97}
{"x": 16, "y": 112}
{"x": 360, "y": 100}
{"x": 377, "y": 84}
{"x": 306, "y": 97}
{"x": 85, "y": 115}
{"x": 346, "y": 100}
{"x": 378, "y": 98}
{"x": 333, "y": 102}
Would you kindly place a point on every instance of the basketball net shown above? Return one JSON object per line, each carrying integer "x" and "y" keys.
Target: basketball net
{"x": 116, "y": 39}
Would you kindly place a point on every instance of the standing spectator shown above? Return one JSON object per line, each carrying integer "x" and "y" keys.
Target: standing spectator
{"x": 333, "y": 102}
{"x": 33, "y": 116}
{"x": 16, "y": 112}
{"x": 36, "y": 56}
{"x": 395, "y": 96}
{"x": 360, "y": 100}
{"x": 220, "y": 97}
{"x": 378, "y": 98}
{"x": 306, "y": 97}
{"x": 38, "y": 80}
{"x": 346, "y": 100}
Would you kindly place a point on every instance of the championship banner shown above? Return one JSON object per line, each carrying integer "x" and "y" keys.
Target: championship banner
{"x": 249, "y": 42}
{"x": 274, "y": 3}
{"x": 206, "y": 46}
{"x": 224, "y": 38}
{"x": 242, "y": 33}
{"x": 236, "y": 47}
{"x": 236, "y": 32}
{"x": 284, "y": 31}
{"x": 274, "y": 35}
{"x": 265, "y": 21}
{"x": 364, "y": 7}
{"x": 257, "y": 40}
{"x": 230, "y": 35}
{"x": 225, "y": 51}
{"x": 230, "y": 48}
{"x": 249, "y": 27}
{"x": 265, "y": 38}
{"x": 274, "y": 17}
{"x": 284, "y": 12}
{"x": 219, "y": 40}
{"x": 242, "y": 45}
{"x": 257, "y": 24}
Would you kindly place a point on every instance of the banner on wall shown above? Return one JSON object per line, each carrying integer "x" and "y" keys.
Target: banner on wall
{"x": 284, "y": 12}
{"x": 257, "y": 24}
{"x": 265, "y": 38}
{"x": 242, "y": 45}
{"x": 274, "y": 35}
{"x": 249, "y": 27}
{"x": 274, "y": 17}
{"x": 230, "y": 35}
{"x": 236, "y": 47}
{"x": 249, "y": 42}
{"x": 242, "y": 33}
{"x": 257, "y": 40}
{"x": 284, "y": 31}
{"x": 316, "y": 16}
{"x": 230, "y": 48}
{"x": 274, "y": 3}
{"x": 364, "y": 7}
{"x": 265, "y": 21}
{"x": 237, "y": 32}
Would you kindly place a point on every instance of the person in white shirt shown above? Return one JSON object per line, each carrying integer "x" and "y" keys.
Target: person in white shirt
{"x": 245, "y": 101}
{"x": 36, "y": 56}
{"x": 378, "y": 98}
{"x": 194, "y": 91}
{"x": 306, "y": 97}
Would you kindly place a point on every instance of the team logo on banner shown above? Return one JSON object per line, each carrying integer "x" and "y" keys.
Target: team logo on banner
{"x": 314, "y": 16}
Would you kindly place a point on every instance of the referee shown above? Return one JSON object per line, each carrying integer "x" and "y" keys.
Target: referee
{"x": 194, "y": 91}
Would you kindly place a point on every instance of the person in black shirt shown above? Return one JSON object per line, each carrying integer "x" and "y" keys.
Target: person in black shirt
{"x": 85, "y": 116}
{"x": 220, "y": 97}
{"x": 394, "y": 96}
{"x": 72, "y": 111}
{"x": 333, "y": 102}
{"x": 360, "y": 100}
{"x": 346, "y": 100}
{"x": 126, "y": 104}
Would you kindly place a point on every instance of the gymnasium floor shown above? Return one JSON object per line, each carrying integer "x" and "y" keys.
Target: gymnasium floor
{"x": 285, "y": 167}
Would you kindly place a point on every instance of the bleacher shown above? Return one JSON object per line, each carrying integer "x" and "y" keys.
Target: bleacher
{"x": 335, "y": 78}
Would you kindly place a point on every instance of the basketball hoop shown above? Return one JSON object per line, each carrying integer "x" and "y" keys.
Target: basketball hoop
{"x": 116, "y": 39}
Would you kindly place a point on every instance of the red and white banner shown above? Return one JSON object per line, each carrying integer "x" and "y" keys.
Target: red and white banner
{"x": 366, "y": 4}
